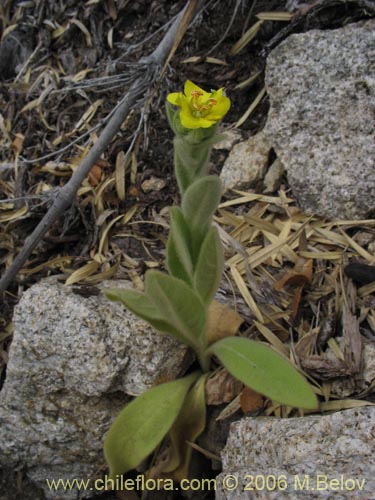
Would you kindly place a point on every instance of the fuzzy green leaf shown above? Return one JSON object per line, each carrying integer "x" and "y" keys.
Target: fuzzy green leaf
{"x": 183, "y": 175}
{"x": 209, "y": 267}
{"x": 189, "y": 424}
{"x": 265, "y": 371}
{"x": 199, "y": 203}
{"x": 143, "y": 423}
{"x": 178, "y": 249}
{"x": 141, "y": 305}
{"x": 180, "y": 305}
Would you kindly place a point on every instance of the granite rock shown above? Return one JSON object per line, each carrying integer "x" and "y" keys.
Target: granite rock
{"x": 329, "y": 456}
{"x": 321, "y": 122}
{"x": 73, "y": 363}
{"x": 272, "y": 179}
{"x": 246, "y": 164}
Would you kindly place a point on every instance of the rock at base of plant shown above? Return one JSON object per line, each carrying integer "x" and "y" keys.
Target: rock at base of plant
{"x": 73, "y": 363}
{"x": 324, "y": 457}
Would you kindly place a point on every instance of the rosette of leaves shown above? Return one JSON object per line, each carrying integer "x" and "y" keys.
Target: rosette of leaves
{"x": 178, "y": 303}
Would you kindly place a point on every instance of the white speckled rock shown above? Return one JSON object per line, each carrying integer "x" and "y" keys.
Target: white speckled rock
{"x": 230, "y": 137}
{"x": 330, "y": 456}
{"x": 73, "y": 363}
{"x": 246, "y": 163}
{"x": 321, "y": 122}
{"x": 272, "y": 179}
{"x": 293, "y": 5}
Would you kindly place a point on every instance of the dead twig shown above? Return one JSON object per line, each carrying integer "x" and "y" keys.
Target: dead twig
{"x": 154, "y": 62}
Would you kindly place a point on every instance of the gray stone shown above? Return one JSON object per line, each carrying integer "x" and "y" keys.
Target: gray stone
{"x": 246, "y": 163}
{"x": 230, "y": 137}
{"x": 321, "y": 122}
{"x": 293, "y": 5}
{"x": 315, "y": 456}
{"x": 73, "y": 363}
{"x": 272, "y": 179}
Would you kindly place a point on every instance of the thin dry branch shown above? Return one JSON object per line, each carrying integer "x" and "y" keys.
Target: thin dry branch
{"x": 154, "y": 62}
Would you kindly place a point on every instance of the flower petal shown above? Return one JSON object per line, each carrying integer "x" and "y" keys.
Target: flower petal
{"x": 190, "y": 121}
{"x": 220, "y": 109}
{"x": 217, "y": 94}
{"x": 191, "y": 87}
{"x": 175, "y": 98}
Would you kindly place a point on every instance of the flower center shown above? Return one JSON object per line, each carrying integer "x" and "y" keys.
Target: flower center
{"x": 201, "y": 107}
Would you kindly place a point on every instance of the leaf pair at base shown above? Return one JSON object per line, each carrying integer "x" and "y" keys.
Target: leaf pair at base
{"x": 264, "y": 370}
{"x": 143, "y": 423}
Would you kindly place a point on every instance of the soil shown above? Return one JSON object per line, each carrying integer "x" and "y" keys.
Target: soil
{"x": 43, "y": 108}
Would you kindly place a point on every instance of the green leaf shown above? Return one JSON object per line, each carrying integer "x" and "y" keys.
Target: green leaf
{"x": 172, "y": 114}
{"x": 190, "y": 158}
{"x": 143, "y": 423}
{"x": 265, "y": 371}
{"x": 141, "y": 305}
{"x": 179, "y": 305}
{"x": 199, "y": 203}
{"x": 209, "y": 267}
{"x": 194, "y": 155}
{"x": 190, "y": 423}
{"x": 183, "y": 175}
{"x": 178, "y": 248}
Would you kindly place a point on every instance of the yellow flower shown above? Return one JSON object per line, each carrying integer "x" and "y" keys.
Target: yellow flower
{"x": 199, "y": 109}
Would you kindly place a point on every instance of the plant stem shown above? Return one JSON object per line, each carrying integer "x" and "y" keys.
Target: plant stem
{"x": 204, "y": 361}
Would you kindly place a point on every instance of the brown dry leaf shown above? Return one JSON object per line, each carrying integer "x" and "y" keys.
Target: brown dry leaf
{"x": 184, "y": 24}
{"x": 230, "y": 409}
{"x": 250, "y": 400}
{"x": 95, "y": 175}
{"x": 274, "y": 16}
{"x": 18, "y": 143}
{"x": 246, "y": 83}
{"x": 222, "y": 322}
{"x": 221, "y": 388}
{"x": 111, "y": 8}
{"x": 245, "y": 292}
{"x": 88, "y": 115}
{"x": 82, "y": 273}
{"x": 252, "y": 106}
{"x": 84, "y": 30}
{"x": 104, "y": 275}
{"x": 121, "y": 164}
{"x": 300, "y": 275}
{"x": 272, "y": 339}
{"x": 215, "y": 60}
{"x": 13, "y": 214}
{"x": 307, "y": 343}
{"x": 296, "y": 302}
{"x": 246, "y": 38}
{"x": 55, "y": 263}
{"x": 344, "y": 404}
